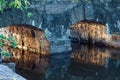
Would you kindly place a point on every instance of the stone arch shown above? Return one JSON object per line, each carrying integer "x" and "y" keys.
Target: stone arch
{"x": 28, "y": 49}
{"x": 90, "y": 32}
{"x": 27, "y": 36}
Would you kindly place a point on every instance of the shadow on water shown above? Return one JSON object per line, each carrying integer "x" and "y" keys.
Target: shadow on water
{"x": 83, "y": 63}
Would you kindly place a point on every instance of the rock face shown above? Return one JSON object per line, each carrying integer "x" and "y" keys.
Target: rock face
{"x": 28, "y": 38}
{"x": 10, "y": 65}
{"x": 113, "y": 41}
{"x": 57, "y": 32}
{"x": 8, "y": 74}
{"x": 89, "y": 32}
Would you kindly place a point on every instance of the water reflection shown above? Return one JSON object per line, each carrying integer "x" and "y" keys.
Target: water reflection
{"x": 94, "y": 63}
{"x": 58, "y": 67}
{"x": 89, "y": 55}
{"x": 83, "y": 63}
{"x": 27, "y": 60}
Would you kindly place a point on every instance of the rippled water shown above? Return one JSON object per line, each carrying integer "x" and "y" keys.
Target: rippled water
{"x": 83, "y": 63}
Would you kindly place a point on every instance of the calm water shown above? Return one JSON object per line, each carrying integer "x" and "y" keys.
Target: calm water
{"x": 83, "y": 63}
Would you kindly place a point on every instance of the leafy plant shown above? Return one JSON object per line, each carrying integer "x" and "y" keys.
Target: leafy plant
{"x": 6, "y": 41}
{"x": 5, "y": 54}
{"x": 19, "y": 4}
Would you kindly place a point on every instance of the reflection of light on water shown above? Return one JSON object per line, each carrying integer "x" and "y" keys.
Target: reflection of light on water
{"x": 90, "y": 55}
{"x": 29, "y": 60}
{"x": 94, "y": 62}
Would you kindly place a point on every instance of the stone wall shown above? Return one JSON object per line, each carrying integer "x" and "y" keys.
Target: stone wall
{"x": 89, "y": 32}
{"x": 101, "y": 10}
{"x": 93, "y": 33}
{"x": 28, "y": 38}
{"x": 33, "y": 49}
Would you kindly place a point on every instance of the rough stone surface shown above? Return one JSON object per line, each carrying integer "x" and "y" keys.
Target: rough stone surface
{"x": 8, "y": 74}
{"x": 89, "y": 32}
{"x": 10, "y": 65}
{"x": 105, "y": 11}
{"x": 53, "y": 14}
{"x": 93, "y": 33}
{"x": 28, "y": 38}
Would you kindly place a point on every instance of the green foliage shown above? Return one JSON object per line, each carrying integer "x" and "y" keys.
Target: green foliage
{"x": 3, "y": 4}
{"x": 2, "y": 37}
{"x": 1, "y": 43}
{"x": 13, "y": 42}
{"x": 19, "y": 4}
{"x": 29, "y": 14}
{"x": 6, "y": 41}
{"x": 5, "y": 54}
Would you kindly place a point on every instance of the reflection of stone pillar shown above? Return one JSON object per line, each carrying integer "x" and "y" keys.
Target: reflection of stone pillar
{"x": 111, "y": 64}
{"x": 58, "y": 68}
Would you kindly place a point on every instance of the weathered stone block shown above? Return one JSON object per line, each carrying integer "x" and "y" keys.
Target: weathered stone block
{"x": 89, "y": 32}
{"x": 28, "y": 38}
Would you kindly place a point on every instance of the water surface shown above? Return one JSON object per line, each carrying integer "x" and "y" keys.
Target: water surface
{"x": 82, "y": 63}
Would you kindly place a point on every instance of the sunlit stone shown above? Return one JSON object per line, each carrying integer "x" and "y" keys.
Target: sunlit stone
{"x": 32, "y": 43}
{"x": 94, "y": 33}
{"x": 28, "y": 37}
{"x": 89, "y": 32}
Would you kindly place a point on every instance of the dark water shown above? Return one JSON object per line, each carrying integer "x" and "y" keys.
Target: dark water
{"x": 83, "y": 63}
